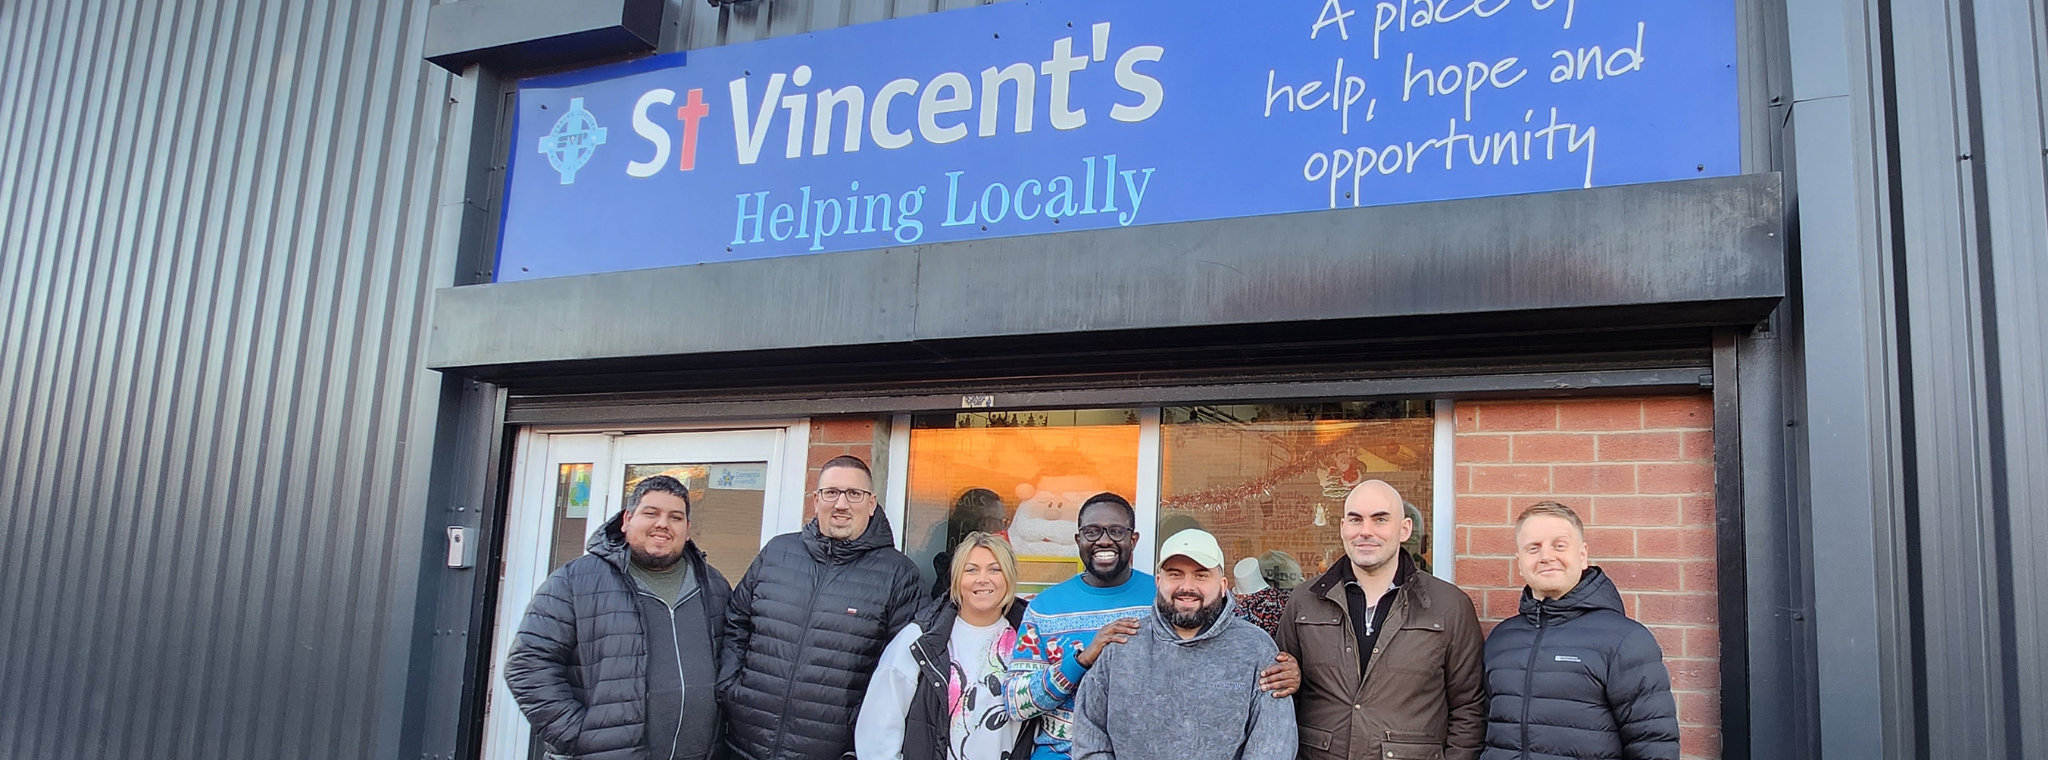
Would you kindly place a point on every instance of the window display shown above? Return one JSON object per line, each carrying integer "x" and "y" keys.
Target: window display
{"x": 1269, "y": 480}
{"x": 1022, "y": 474}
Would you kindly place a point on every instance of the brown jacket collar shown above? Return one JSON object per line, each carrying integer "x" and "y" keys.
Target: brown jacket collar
{"x": 1330, "y": 585}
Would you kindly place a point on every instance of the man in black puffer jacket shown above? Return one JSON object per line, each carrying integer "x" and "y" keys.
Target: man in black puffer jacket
{"x": 808, "y": 623}
{"x": 1572, "y": 677}
{"x": 617, "y": 658}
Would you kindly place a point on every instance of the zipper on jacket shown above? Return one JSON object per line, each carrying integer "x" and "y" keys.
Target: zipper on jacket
{"x": 926, "y": 665}
{"x": 1529, "y": 674}
{"x": 676, "y": 643}
{"x": 803, "y": 641}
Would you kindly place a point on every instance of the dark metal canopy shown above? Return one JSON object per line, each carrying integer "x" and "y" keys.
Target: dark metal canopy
{"x": 1632, "y": 263}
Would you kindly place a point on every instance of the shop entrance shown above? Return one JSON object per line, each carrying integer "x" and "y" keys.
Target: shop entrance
{"x": 566, "y": 485}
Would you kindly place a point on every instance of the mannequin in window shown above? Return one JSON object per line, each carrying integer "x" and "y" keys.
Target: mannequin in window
{"x": 1258, "y": 603}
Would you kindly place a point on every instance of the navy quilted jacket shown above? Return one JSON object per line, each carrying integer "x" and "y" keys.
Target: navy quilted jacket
{"x": 1576, "y": 679}
{"x": 578, "y": 666}
{"x": 806, "y": 629}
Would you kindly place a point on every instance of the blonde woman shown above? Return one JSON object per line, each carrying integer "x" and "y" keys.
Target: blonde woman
{"x": 938, "y": 693}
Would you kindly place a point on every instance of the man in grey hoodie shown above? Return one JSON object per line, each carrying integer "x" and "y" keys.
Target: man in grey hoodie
{"x": 1187, "y": 686}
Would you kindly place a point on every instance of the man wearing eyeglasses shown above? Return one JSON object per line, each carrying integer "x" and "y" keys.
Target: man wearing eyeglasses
{"x": 808, "y": 623}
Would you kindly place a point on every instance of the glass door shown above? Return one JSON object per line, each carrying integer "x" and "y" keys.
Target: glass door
{"x": 566, "y": 486}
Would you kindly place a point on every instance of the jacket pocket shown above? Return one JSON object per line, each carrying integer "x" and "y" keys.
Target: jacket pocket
{"x": 1315, "y": 742}
{"x": 1393, "y": 750}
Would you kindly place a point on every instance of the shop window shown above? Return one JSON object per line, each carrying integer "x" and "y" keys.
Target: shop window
{"x": 1269, "y": 480}
{"x": 1023, "y": 474}
{"x": 571, "y": 513}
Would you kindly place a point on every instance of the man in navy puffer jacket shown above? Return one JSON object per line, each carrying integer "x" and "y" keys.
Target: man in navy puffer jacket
{"x": 1572, "y": 677}
{"x": 808, "y": 622}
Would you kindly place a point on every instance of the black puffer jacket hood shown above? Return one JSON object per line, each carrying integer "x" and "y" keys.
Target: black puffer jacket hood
{"x": 805, "y": 631}
{"x": 578, "y": 666}
{"x": 1575, "y": 678}
{"x": 1595, "y": 592}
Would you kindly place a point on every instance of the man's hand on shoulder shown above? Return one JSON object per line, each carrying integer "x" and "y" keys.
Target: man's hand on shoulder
{"x": 1118, "y": 631}
{"x": 1282, "y": 679}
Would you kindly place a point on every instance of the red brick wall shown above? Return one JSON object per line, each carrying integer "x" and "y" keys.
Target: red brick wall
{"x": 865, "y": 437}
{"x": 1640, "y": 472}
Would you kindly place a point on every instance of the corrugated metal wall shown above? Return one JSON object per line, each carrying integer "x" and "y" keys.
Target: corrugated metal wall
{"x": 214, "y": 269}
{"x": 1968, "y": 206}
{"x": 1922, "y": 180}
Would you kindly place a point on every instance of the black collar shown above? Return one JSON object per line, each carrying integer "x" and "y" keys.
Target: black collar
{"x": 1345, "y": 572}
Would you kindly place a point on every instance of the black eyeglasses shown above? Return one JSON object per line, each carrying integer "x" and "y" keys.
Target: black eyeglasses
{"x": 1115, "y": 533}
{"x": 851, "y": 495}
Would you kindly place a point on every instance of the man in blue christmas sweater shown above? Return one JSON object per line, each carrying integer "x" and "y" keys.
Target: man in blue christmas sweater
{"x": 1067, "y": 627}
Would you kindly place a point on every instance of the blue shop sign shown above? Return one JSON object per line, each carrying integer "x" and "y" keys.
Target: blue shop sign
{"x": 1045, "y": 116}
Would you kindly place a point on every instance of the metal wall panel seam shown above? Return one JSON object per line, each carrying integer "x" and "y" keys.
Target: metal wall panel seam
{"x": 46, "y": 406}
{"x": 274, "y": 212}
{"x": 17, "y": 22}
{"x": 379, "y": 234}
{"x": 116, "y": 226}
{"x": 232, "y": 434}
{"x": 306, "y": 189}
{"x": 273, "y": 204}
{"x": 197, "y": 365}
{"x": 229, "y": 437}
{"x": 418, "y": 414}
{"x": 351, "y": 315}
{"x": 1947, "y": 378}
{"x": 705, "y": 26}
{"x": 788, "y": 17}
{"x": 826, "y": 14}
{"x": 138, "y": 220}
{"x": 324, "y": 436}
{"x": 160, "y": 361}
{"x": 385, "y": 544}
{"x": 214, "y": 571}
{"x": 451, "y": 223}
{"x": 58, "y": 338}
{"x": 1987, "y": 120}
{"x": 193, "y": 375}
{"x": 1902, "y": 325}
{"x": 371, "y": 302}
{"x": 22, "y": 366}
{"x": 16, "y": 267}
{"x": 865, "y": 11}
{"x": 2011, "y": 113}
{"x": 282, "y": 224}
{"x": 363, "y": 390}
{"x": 19, "y": 266}
{"x": 84, "y": 432}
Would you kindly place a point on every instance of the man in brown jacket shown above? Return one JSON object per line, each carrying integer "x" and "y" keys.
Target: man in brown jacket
{"x": 1391, "y": 657}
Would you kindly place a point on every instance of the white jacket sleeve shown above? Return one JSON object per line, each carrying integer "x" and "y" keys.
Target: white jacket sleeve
{"x": 878, "y": 732}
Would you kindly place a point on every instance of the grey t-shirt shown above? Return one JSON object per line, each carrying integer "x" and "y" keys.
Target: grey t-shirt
{"x": 672, "y": 585}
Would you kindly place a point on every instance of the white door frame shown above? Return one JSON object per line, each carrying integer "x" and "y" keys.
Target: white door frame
{"x": 529, "y": 537}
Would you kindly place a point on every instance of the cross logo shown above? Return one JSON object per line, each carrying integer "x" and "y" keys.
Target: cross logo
{"x": 573, "y": 141}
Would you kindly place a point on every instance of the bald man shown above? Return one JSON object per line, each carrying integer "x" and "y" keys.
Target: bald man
{"x": 1391, "y": 657}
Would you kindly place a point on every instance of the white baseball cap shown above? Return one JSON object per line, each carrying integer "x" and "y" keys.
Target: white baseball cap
{"x": 1195, "y": 544}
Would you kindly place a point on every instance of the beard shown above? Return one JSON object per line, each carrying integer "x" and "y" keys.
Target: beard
{"x": 1198, "y": 619}
{"x": 1123, "y": 562}
{"x": 654, "y": 562}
